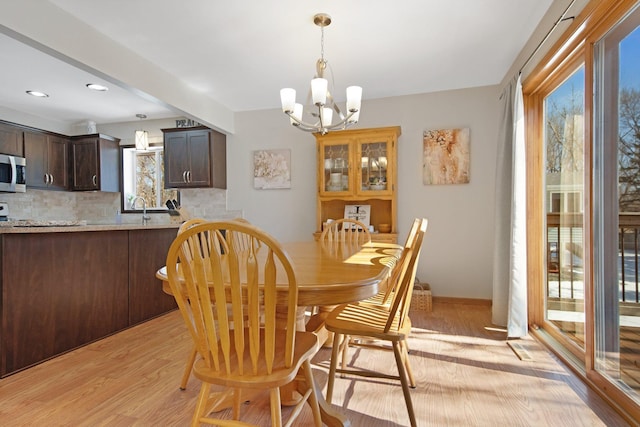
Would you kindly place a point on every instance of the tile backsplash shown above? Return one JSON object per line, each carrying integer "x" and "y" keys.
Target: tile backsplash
{"x": 101, "y": 208}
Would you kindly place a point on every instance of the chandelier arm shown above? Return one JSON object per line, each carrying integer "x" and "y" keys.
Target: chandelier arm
{"x": 344, "y": 123}
{"x": 302, "y": 125}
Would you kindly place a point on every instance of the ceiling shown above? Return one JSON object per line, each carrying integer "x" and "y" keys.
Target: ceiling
{"x": 241, "y": 53}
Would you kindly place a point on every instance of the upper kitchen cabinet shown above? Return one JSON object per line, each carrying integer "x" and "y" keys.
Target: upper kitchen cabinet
{"x": 95, "y": 163}
{"x": 11, "y": 140}
{"x": 47, "y": 160}
{"x": 357, "y": 170}
{"x": 194, "y": 157}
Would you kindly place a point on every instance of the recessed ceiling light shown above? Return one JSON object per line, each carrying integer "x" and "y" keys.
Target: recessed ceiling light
{"x": 99, "y": 88}
{"x": 38, "y": 94}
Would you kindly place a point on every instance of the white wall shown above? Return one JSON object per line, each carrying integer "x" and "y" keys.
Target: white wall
{"x": 458, "y": 248}
{"x": 457, "y": 254}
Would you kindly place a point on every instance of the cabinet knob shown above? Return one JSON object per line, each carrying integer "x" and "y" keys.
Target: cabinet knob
{"x": 95, "y": 180}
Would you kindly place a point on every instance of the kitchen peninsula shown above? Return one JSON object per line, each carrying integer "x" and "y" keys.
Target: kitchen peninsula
{"x": 66, "y": 286}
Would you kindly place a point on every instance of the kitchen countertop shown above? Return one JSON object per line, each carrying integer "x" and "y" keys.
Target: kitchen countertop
{"x": 11, "y": 227}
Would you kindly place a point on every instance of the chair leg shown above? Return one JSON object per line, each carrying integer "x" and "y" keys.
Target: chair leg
{"x": 313, "y": 398}
{"x": 345, "y": 352}
{"x": 332, "y": 369}
{"x": 237, "y": 402}
{"x": 276, "y": 410}
{"x": 201, "y": 406}
{"x": 188, "y": 368}
{"x": 407, "y": 364}
{"x": 403, "y": 380}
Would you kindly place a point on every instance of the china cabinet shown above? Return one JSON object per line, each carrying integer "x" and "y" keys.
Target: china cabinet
{"x": 357, "y": 176}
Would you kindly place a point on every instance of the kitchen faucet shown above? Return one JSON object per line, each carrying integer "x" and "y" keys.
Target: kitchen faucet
{"x": 145, "y": 217}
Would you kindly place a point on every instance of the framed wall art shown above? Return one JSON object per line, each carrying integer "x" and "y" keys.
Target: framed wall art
{"x": 272, "y": 169}
{"x": 445, "y": 156}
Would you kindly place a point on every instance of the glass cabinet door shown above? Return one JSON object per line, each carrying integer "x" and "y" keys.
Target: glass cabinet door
{"x": 374, "y": 167}
{"x": 336, "y": 176}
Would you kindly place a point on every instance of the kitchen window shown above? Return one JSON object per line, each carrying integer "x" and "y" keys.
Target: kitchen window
{"x": 143, "y": 175}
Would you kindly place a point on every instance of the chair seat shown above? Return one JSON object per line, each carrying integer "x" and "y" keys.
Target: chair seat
{"x": 379, "y": 299}
{"x": 367, "y": 320}
{"x": 306, "y": 345}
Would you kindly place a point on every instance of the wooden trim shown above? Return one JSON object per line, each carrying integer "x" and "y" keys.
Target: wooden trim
{"x": 466, "y": 301}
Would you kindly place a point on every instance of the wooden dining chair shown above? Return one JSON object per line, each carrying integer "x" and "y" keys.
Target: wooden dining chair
{"x": 345, "y": 230}
{"x": 252, "y": 352}
{"x": 341, "y": 236}
{"x": 384, "y": 299}
{"x": 192, "y": 355}
{"x": 242, "y": 244}
{"x": 383, "y": 324}
{"x": 384, "y": 296}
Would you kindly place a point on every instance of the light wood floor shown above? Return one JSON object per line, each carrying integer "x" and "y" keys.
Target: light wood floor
{"x": 467, "y": 376}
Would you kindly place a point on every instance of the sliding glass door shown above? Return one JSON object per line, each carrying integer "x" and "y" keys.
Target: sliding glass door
{"x": 617, "y": 204}
{"x": 564, "y": 207}
{"x": 583, "y": 139}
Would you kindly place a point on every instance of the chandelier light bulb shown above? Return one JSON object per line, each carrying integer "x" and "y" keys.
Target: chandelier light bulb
{"x": 297, "y": 114}
{"x": 327, "y": 116}
{"x": 319, "y": 88}
{"x": 354, "y": 97}
{"x": 288, "y": 99}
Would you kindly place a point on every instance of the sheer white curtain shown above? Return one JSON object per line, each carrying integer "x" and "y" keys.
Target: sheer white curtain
{"x": 510, "y": 250}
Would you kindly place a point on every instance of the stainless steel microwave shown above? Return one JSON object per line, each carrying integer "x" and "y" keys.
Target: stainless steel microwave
{"x": 13, "y": 174}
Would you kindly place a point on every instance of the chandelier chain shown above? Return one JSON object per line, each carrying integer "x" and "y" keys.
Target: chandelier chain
{"x": 322, "y": 44}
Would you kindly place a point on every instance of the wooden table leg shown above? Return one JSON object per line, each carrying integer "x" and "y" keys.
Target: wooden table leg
{"x": 291, "y": 394}
{"x": 329, "y": 415}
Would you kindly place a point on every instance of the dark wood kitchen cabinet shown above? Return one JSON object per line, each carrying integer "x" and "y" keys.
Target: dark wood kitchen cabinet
{"x": 194, "y": 158}
{"x": 47, "y": 160}
{"x": 95, "y": 163}
{"x": 60, "y": 291}
{"x": 11, "y": 140}
{"x": 147, "y": 253}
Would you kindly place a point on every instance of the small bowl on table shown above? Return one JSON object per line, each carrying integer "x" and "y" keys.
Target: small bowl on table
{"x": 384, "y": 228}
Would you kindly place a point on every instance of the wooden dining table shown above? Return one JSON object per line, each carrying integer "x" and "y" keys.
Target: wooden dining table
{"x": 329, "y": 275}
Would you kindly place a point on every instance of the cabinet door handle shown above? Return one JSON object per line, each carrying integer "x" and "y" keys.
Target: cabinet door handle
{"x": 51, "y": 182}
{"x": 189, "y": 176}
{"x": 46, "y": 179}
{"x": 95, "y": 180}
{"x": 184, "y": 176}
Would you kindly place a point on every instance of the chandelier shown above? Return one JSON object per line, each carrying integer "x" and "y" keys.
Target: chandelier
{"x": 323, "y": 105}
